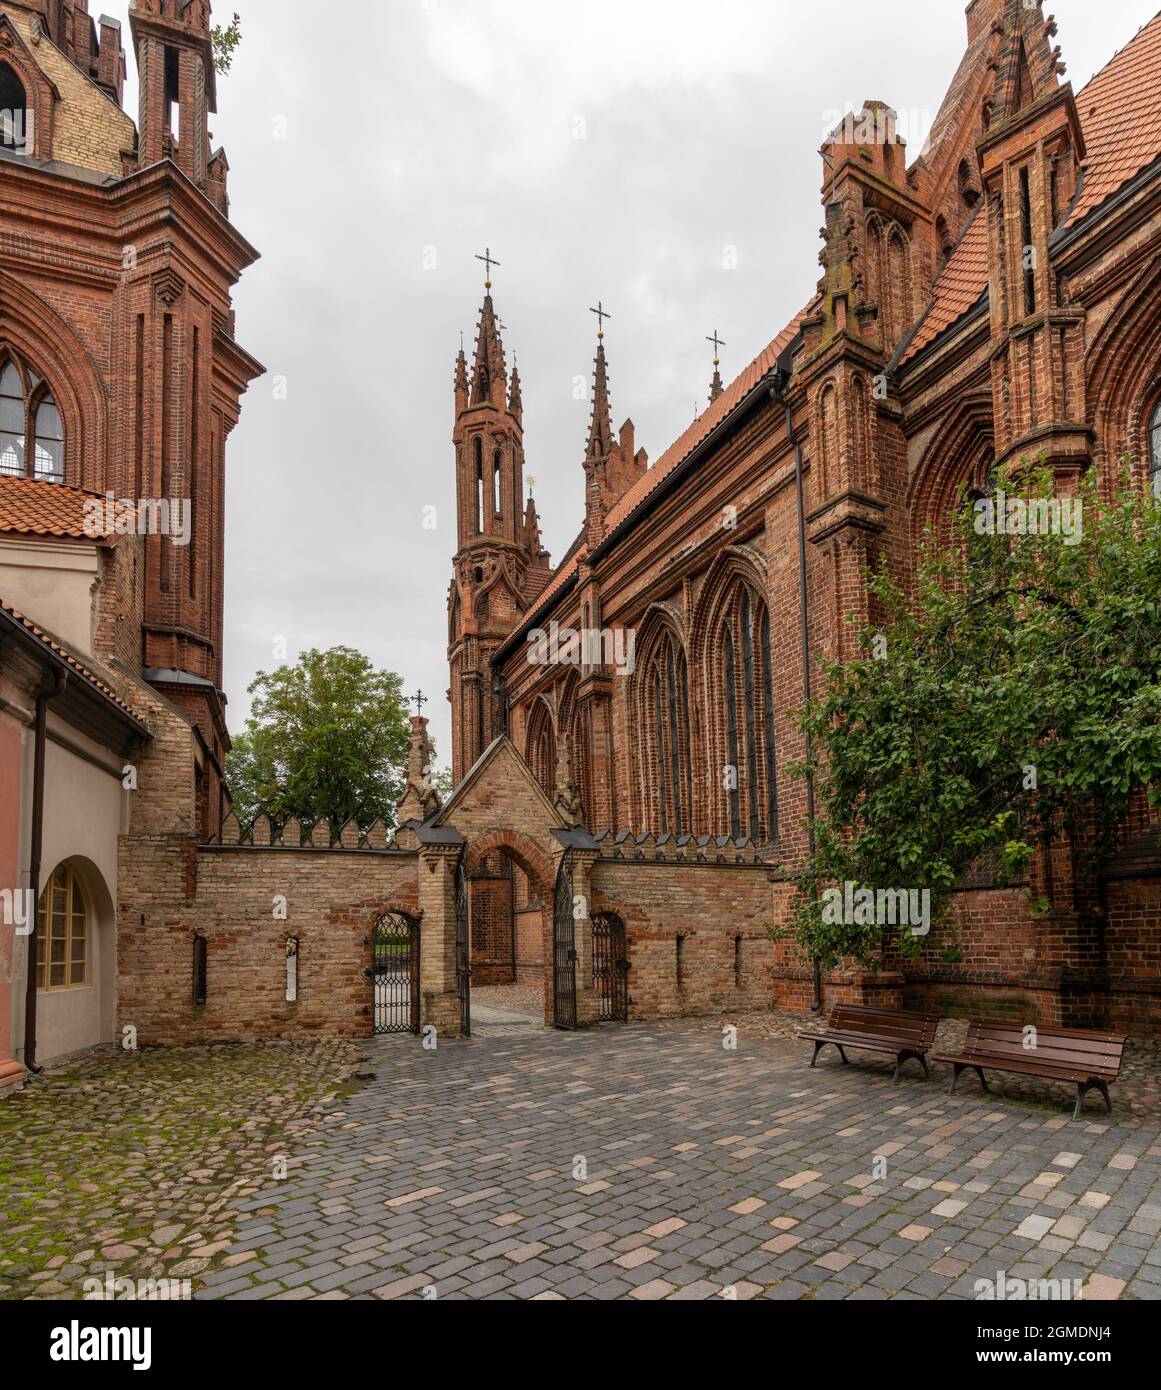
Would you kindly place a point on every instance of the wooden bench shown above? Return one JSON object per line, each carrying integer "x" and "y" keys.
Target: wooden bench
{"x": 876, "y": 1030}
{"x": 1090, "y": 1060}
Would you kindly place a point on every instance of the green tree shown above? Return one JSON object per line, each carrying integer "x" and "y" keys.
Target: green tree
{"x": 326, "y": 737}
{"x": 1013, "y": 693}
{"x": 225, "y": 39}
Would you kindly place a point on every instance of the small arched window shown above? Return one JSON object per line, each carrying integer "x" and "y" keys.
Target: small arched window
{"x": 13, "y": 111}
{"x": 62, "y": 933}
{"x": 1155, "y": 449}
{"x": 32, "y": 441}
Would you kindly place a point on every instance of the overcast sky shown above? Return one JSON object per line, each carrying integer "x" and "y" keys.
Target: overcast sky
{"x": 612, "y": 149}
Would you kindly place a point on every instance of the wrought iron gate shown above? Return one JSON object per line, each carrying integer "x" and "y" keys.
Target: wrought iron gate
{"x": 610, "y": 968}
{"x": 564, "y": 948}
{"x": 463, "y": 958}
{"x": 395, "y": 973}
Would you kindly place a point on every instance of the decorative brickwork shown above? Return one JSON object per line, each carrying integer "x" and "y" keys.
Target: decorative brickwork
{"x": 978, "y": 303}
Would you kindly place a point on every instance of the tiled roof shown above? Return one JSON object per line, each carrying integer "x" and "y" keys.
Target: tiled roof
{"x": 964, "y": 279}
{"x": 673, "y": 457}
{"x": 1120, "y": 114}
{"x": 704, "y": 425}
{"x": 34, "y": 508}
{"x": 68, "y": 659}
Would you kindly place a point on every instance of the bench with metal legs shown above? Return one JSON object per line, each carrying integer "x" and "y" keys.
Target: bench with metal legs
{"x": 907, "y": 1036}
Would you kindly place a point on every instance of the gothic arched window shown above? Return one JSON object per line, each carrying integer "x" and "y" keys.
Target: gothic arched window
{"x": 746, "y": 695}
{"x": 540, "y": 746}
{"x": 497, "y": 475}
{"x": 31, "y": 429}
{"x": 1155, "y": 448}
{"x": 49, "y": 441}
{"x": 661, "y": 742}
{"x": 13, "y": 111}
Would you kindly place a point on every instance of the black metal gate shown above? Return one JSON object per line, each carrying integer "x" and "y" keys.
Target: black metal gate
{"x": 610, "y": 968}
{"x": 395, "y": 973}
{"x": 463, "y": 958}
{"x": 564, "y": 948}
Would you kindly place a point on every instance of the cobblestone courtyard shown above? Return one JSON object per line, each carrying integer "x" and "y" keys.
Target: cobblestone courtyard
{"x": 638, "y": 1161}
{"x": 699, "y": 1173}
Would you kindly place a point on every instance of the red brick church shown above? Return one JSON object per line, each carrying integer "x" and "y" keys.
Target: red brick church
{"x": 994, "y": 296}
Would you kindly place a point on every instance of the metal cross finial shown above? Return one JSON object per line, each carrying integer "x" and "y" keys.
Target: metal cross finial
{"x": 420, "y": 700}
{"x": 531, "y": 481}
{"x": 718, "y": 343}
{"x": 602, "y": 314}
{"x": 489, "y": 261}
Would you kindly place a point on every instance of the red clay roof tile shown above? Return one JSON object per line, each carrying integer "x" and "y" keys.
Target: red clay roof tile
{"x": 1120, "y": 114}
{"x": 70, "y": 660}
{"x": 33, "y": 508}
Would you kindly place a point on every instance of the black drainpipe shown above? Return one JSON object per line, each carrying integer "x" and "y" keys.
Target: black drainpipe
{"x": 42, "y": 702}
{"x": 777, "y": 392}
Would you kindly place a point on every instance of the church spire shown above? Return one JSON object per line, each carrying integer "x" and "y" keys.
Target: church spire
{"x": 515, "y": 398}
{"x": 489, "y": 375}
{"x": 716, "y": 383}
{"x": 461, "y": 378}
{"x": 600, "y": 438}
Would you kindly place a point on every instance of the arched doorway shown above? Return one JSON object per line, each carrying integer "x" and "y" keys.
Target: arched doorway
{"x": 75, "y": 960}
{"x": 395, "y": 973}
{"x": 610, "y": 968}
{"x": 510, "y": 890}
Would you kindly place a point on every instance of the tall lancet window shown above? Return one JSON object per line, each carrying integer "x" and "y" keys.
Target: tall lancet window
{"x": 478, "y": 457}
{"x": 32, "y": 439}
{"x": 741, "y": 687}
{"x": 497, "y": 483}
{"x": 733, "y": 777}
{"x": 660, "y": 744}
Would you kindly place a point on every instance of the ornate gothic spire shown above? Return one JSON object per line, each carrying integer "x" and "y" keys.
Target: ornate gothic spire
{"x": 600, "y": 440}
{"x": 461, "y": 377}
{"x": 489, "y": 374}
{"x": 515, "y": 399}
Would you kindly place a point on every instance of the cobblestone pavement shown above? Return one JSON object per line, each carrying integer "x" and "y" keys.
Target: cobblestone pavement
{"x": 133, "y": 1162}
{"x": 646, "y": 1161}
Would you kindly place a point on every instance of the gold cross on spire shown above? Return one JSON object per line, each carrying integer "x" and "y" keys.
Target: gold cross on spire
{"x": 718, "y": 343}
{"x": 602, "y": 314}
{"x": 489, "y": 261}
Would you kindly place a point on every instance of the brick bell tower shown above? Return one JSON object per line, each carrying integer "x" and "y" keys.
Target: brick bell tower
{"x": 499, "y": 558}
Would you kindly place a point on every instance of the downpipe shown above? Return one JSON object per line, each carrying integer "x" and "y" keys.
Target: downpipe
{"x": 43, "y": 700}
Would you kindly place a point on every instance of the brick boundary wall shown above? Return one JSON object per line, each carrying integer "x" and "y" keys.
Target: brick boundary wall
{"x": 332, "y": 899}
{"x": 713, "y": 918}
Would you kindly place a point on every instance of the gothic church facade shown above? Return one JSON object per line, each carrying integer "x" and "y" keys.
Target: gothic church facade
{"x": 994, "y": 298}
